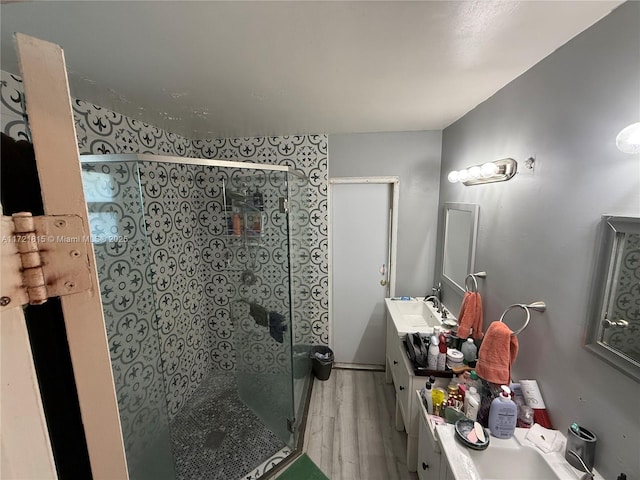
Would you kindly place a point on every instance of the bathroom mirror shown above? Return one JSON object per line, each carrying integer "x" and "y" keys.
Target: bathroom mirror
{"x": 459, "y": 242}
{"x": 614, "y": 324}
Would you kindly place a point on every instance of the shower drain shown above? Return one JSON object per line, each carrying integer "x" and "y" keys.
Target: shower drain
{"x": 214, "y": 439}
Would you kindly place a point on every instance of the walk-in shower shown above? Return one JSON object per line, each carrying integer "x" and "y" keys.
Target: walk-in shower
{"x": 196, "y": 260}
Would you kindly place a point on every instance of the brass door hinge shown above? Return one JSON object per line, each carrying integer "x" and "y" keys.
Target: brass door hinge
{"x": 42, "y": 257}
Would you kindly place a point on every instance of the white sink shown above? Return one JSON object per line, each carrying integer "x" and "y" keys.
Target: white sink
{"x": 413, "y": 315}
{"x": 505, "y": 459}
{"x": 502, "y": 462}
{"x": 417, "y": 314}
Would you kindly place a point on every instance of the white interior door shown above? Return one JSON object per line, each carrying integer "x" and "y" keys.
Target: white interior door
{"x": 361, "y": 223}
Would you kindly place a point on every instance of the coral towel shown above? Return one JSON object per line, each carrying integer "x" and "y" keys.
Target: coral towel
{"x": 470, "y": 317}
{"x": 497, "y": 353}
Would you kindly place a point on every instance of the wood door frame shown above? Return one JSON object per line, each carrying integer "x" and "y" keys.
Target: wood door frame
{"x": 52, "y": 126}
{"x": 394, "y": 183}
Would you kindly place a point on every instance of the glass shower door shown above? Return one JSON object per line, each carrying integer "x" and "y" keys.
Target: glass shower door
{"x": 257, "y": 257}
{"x": 303, "y": 274}
{"x": 115, "y": 208}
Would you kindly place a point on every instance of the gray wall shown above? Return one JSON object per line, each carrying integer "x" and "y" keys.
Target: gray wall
{"x": 415, "y": 158}
{"x": 537, "y": 233}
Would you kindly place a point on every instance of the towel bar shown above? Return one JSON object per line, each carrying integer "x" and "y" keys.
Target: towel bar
{"x": 537, "y": 306}
{"x": 473, "y": 277}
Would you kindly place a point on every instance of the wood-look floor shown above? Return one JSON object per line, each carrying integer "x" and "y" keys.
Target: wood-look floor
{"x": 350, "y": 431}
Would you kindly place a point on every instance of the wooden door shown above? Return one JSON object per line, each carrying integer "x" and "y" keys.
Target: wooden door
{"x": 51, "y": 122}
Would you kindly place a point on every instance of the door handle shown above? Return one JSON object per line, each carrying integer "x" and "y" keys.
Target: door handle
{"x": 383, "y": 282}
{"x": 615, "y": 323}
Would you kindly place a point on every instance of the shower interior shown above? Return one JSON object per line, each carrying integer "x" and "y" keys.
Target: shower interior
{"x": 199, "y": 264}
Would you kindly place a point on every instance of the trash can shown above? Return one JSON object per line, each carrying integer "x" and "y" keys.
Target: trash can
{"x": 322, "y": 361}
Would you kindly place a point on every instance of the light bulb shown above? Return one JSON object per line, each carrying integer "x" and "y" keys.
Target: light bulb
{"x": 463, "y": 175}
{"x": 628, "y": 140}
{"x": 474, "y": 172}
{"x": 488, "y": 170}
{"x": 453, "y": 176}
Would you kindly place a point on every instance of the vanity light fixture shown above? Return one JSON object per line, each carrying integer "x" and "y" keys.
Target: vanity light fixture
{"x": 496, "y": 171}
{"x": 628, "y": 140}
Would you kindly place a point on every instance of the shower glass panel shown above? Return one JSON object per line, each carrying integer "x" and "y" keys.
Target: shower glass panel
{"x": 303, "y": 274}
{"x": 116, "y": 217}
{"x": 203, "y": 274}
{"x": 258, "y": 259}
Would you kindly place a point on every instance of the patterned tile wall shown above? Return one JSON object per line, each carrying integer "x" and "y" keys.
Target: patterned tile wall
{"x": 12, "y": 113}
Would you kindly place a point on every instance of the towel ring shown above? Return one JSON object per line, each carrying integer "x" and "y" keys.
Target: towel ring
{"x": 473, "y": 277}
{"x": 537, "y": 306}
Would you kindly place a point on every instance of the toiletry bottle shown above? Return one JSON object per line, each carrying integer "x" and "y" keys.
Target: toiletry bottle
{"x": 469, "y": 351}
{"x": 471, "y": 393}
{"x": 432, "y": 359}
{"x": 472, "y": 401}
{"x": 442, "y": 353}
{"x": 525, "y": 416}
{"x": 438, "y": 396}
{"x": 427, "y": 397}
{"x": 258, "y": 200}
{"x": 503, "y": 415}
{"x": 237, "y": 225}
{"x": 229, "y": 224}
{"x": 474, "y": 381}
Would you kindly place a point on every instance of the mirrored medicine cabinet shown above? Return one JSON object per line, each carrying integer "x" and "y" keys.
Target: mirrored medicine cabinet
{"x": 459, "y": 243}
{"x": 614, "y": 318}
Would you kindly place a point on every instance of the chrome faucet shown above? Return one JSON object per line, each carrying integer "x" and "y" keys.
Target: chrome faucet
{"x": 435, "y": 300}
{"x": 589, "y": 474}
{"x": 435, "y": 292}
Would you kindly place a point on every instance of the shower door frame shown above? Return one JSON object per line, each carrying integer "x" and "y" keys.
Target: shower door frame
{"x": 170, "y": 159}
{"x": 206, "y": 162}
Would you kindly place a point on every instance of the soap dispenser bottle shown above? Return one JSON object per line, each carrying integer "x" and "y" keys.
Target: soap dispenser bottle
{"x": 503, "y": 415}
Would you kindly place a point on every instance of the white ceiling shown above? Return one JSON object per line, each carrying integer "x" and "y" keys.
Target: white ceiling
{"x": 225, "y": 69}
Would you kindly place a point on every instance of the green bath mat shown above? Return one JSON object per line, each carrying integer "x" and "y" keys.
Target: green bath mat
{"x": 303, "y": 469}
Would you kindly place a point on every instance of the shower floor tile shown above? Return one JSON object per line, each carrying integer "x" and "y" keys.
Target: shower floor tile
{"x": 215, "y": 436}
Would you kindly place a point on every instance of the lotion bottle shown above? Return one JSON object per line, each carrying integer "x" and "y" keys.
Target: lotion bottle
{"x": 432, "y": 358}
{"x": 471, "y": 403}
{"x": 503, "y": 415}
{"x": 427, "y": 397}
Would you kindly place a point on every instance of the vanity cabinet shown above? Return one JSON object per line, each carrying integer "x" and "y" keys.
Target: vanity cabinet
{"x": 399, "y": 370}
{"x": 432, "y": 465}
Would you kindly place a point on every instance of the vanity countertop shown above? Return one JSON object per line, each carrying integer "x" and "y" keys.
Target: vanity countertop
{"x": 510, "y": 457}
